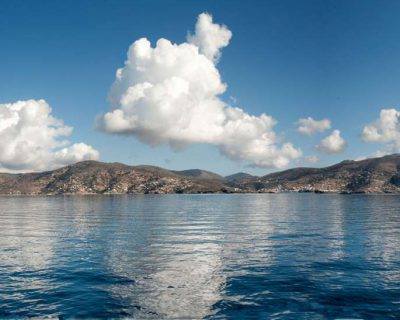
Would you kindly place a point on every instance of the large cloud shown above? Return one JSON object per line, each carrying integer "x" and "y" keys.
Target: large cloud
{"x": 333, "y": 143}
{"x": 31, "y": 139}
{"x": 309, "y": 126}
{"x": 385, "y": 130}
{"x": 169, "y": 94}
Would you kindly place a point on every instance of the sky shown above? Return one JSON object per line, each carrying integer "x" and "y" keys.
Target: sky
{"x": 240, "y": 79}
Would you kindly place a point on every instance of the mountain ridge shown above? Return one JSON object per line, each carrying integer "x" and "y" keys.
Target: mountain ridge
{"x": 373, "y": 175}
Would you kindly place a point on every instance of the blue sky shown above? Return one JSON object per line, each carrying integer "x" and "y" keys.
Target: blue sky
{"x": 289, "y": 59}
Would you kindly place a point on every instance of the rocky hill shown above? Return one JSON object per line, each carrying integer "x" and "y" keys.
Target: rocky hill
{"x": 240, "y": 177}
{"x": 377, "y": 175}
{"x": 91, "y": 177}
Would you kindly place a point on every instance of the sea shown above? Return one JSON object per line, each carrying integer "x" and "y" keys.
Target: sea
{"x": 218, "y": 256}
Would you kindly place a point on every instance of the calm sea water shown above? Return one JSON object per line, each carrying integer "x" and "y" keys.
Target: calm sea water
{"x": 279, "y": 256}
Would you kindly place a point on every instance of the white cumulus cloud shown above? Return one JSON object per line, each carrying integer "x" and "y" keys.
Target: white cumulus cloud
{"x": 31, "y": 139}
{"x": 169, "y": 94}
{"x": 309, "y": 126}
{"x": 333, "y": 143}
{"x": 384, "y": 130}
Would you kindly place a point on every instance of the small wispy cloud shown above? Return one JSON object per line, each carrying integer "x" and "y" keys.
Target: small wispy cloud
{"x": 311, "y": 159}
{"x": 309, "y": 126}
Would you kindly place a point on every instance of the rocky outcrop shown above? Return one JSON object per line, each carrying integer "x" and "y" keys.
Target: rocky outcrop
{"x": 378, "y": 175}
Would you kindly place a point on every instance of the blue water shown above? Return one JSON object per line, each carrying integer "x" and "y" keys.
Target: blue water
{"x": 261, "y": 256}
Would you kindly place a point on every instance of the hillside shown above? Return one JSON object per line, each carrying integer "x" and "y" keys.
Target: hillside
{"x": 92, "y": 177}
{"x": 377, "y": 175}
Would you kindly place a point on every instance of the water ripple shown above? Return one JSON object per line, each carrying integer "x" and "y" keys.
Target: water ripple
{"x": 284, "y": 256}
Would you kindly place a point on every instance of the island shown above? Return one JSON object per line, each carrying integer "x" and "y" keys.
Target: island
{"x": 373, "y": 175}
